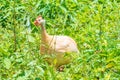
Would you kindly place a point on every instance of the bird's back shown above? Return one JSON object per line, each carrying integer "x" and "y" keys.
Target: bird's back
{"x": 62, "y": 44}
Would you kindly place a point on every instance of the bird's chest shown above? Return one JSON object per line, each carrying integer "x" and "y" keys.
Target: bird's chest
{"x": 47, "y": 48}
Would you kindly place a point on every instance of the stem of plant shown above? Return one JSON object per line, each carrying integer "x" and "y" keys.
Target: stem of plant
{"x": 14, "y": 29}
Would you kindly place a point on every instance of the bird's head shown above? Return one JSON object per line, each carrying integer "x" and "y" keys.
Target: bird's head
{"x": 39, "y": 21}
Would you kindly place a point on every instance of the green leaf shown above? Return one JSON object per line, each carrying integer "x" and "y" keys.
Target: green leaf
{"x": 21, "y": 78}
{"x": 41, "y": 70}
{"x": 37, "y": 78}
{"x": 7, "y": 63}
{"x": 31, "y": 39}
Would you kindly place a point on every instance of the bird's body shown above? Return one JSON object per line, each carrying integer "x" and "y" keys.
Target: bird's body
{"x": 57, "y": 45}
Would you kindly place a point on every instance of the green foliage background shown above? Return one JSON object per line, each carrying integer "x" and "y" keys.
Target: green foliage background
{"x": 93, "y": 24}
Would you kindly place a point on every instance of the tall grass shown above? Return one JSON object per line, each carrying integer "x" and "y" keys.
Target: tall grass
{"x": 94, "y": 25}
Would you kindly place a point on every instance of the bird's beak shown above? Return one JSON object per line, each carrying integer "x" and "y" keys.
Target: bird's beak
{"x": 35, "y": 22}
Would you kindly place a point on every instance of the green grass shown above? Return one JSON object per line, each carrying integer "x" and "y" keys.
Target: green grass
{"x": 94, "y": 25}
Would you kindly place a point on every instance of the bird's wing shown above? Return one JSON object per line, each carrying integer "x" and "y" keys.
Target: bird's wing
{"x": 61, "y": 44}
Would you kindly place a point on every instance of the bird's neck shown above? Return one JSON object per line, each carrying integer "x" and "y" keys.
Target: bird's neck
{"x": 44, "y": 34}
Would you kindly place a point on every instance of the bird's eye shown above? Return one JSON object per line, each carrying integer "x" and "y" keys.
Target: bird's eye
{"x": 39, "y": 20}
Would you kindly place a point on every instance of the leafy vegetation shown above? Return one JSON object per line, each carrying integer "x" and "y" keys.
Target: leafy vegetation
{"x": 94, "y": 25}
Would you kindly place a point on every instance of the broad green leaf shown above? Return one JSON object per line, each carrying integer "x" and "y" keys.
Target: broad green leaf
{"x": 7, "y": 63}
{"x": 41, "y": 71}
{"x": 31, "y": 39}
